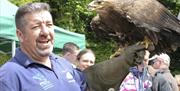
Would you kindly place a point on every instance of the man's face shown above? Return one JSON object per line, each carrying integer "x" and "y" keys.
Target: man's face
{"x": 73, "y": 56}
{"x": 157, "y": 63}
{"x": 37, "y": 36}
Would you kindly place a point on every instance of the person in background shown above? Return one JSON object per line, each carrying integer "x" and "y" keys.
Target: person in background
{"x": 69, "y": 52}
{"x": 85, "y": 59}
{"x": 34, "y": 67}
{"x": 163, "y": 79}
{"x": 138, "y": 79}
{"x": 177, "y": 77}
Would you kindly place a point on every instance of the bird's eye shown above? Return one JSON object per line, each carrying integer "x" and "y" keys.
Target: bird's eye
{"x": 99, "y": 2}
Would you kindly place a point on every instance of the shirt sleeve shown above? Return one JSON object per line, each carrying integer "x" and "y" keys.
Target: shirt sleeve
{"x": 8, "y": 80}
{"x": 161, "y": 84}
{"x": 164, "y": 85}
{"x": 5, "y": 87}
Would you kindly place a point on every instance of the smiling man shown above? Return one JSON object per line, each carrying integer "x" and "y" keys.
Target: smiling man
{"x": 35, "y": 67}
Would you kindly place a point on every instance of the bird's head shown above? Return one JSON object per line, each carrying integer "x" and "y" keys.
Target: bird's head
{"x": 99, "y": 4}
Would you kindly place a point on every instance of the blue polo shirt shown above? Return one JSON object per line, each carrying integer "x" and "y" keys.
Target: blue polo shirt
{"x": 22, "y": 74}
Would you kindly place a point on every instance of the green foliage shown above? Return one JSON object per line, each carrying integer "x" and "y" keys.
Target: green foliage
{"x": 172, "y": 5}
{"x": 70, "y": 14}
{"x": 4, "y": 58}
{"x": 102, "y": 49}
{"x": 175, "y": 62}
{"x": 21, "y": 2}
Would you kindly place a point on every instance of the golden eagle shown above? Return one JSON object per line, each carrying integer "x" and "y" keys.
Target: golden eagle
{"x": 132, "y": 21}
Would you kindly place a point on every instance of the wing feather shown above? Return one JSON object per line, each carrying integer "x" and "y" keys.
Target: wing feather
{"x": 153, "y": 15}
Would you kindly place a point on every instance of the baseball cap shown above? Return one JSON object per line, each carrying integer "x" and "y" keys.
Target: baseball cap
{"x": 165, "y": 57}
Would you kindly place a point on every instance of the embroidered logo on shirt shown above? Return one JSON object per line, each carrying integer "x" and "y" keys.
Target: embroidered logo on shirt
{"x": 43, "y": 82}
{"x": 69, "y": 77}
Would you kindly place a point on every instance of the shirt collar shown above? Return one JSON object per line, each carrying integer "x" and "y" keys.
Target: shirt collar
{"x": 24, "y": 60}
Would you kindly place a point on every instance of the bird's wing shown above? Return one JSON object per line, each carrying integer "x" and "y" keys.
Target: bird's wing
{"x": 152, "y": 15}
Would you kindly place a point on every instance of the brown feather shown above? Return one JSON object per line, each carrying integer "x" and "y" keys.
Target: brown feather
{"x": 135, "y": 19}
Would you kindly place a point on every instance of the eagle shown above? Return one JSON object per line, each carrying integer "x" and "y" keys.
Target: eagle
{"x": 132, "y": 21}
{"x": 129, "y": 22}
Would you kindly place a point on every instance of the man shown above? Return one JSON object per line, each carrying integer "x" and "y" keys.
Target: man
{"x": 163, "y": 79}
{"x": 70, "y": 51}
{"x": 35, "y": 67}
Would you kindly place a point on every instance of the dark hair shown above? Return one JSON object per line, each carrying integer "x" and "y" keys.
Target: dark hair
{"x": 84, "y": 52}
{"x": 28, "y": 9}
{"x": 69, "y": 47}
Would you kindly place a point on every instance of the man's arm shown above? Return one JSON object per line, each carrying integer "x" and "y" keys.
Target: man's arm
{"x": 8, "y": 79}
{"x": 161, "y": 84}
{"x": 110, "y": 73}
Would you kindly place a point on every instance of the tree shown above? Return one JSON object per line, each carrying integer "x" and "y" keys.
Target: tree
{"x": 74, "y": 16}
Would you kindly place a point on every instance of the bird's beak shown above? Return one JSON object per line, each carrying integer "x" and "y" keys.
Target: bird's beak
{"x": 91, "y": 6}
